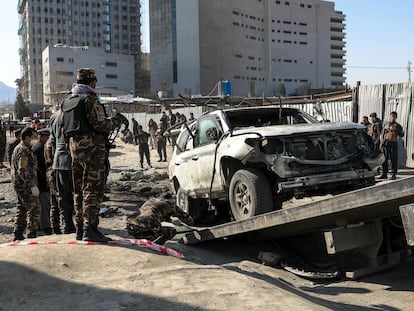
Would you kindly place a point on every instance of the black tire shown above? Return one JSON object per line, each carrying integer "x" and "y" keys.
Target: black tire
{"x": 196, "y": 208}
{"x": 182, "y": 200}
{"x": 249, "y": 194}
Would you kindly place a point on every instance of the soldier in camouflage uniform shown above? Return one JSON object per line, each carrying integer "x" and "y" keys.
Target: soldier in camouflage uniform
{"x": 390, "y": 133}
{"x": 3, "y": 143}
{"x": 147, "y": 223}
{"x": 24, "y": 179}
{"x": 375, "y": 129}
{"x": 85, "y": 127}
{"x": 51, "y": 181}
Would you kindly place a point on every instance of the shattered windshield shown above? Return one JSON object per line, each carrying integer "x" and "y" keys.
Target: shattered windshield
{"x": 242, "y": 118}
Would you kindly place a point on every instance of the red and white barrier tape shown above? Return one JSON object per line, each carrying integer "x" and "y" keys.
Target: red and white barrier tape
{"x": 141, "y": 243}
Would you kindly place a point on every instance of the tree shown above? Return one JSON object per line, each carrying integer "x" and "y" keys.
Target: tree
{"x": 20, "y": 109}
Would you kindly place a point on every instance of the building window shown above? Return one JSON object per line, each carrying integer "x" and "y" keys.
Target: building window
{"x": 111, "y": 76}
{"x": 111, "y": 64}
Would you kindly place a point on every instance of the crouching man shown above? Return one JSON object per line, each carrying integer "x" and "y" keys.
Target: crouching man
{"x": 147, "y": 223}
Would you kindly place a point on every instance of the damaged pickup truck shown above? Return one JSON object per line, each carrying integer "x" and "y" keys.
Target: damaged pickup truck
{"x": 243, "y": 162}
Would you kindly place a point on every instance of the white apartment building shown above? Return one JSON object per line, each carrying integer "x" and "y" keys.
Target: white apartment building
{"x": 264, "y": 47}
{"x": 113, "y": 26}
{"x": 115, "y": 72}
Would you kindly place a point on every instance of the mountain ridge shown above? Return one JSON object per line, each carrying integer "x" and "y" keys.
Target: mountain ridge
{"x": 7, "y": 94}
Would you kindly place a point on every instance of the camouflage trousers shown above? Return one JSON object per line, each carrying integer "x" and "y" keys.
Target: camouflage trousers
{"x": 88, "y": 173}
{"x": 54, "y": 208}
{"x": 28, "y": 212}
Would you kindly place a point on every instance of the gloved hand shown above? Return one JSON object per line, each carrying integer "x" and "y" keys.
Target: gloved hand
{"x": 35, "y": 191}
{"x": 121, "y": 119}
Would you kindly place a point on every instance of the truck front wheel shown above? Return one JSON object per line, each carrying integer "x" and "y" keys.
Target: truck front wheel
{"x": 249, "y": 194}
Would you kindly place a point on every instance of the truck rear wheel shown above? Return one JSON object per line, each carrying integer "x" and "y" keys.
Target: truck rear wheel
{"x": 249, "y": 194}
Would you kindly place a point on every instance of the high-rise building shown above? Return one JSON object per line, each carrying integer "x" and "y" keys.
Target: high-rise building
{"x": 262, "y": 47}
{"x": 114, "y": 26}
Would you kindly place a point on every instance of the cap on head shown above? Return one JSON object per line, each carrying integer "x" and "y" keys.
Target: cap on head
{"x": 27, "y": 132}
{"x": 373, "y": 115}
{"x": 44, "y": 132}
{"x": 85, "y": 75}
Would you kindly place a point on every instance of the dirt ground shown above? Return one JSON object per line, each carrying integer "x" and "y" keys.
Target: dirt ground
{"x": 219, "y": 275}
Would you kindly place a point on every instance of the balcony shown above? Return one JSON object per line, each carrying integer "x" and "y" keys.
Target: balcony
{"x": 20, "y": 6}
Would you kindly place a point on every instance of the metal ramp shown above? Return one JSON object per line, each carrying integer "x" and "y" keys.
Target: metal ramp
{"x": 375, "y": 202}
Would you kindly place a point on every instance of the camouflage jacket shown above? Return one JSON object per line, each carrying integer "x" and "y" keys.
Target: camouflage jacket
{"x": 23, "y": 167}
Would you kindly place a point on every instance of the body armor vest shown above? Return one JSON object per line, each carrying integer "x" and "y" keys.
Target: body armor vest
{"x": 74, "y": 116}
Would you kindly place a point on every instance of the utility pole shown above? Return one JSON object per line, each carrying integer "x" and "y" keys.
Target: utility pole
{"x": 409, "y": 71}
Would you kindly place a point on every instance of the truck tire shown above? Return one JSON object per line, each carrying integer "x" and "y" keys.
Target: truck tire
{"x": 249, "y": 194}
{"x": 196, "y": 208}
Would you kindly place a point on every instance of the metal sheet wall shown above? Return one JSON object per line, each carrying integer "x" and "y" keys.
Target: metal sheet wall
{"x": 340, "y": 111}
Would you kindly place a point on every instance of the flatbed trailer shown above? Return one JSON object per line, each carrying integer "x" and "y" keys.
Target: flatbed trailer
{"x": 348, "y": 221}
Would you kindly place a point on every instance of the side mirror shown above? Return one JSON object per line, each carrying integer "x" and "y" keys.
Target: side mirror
{"x": 212, "y": 133}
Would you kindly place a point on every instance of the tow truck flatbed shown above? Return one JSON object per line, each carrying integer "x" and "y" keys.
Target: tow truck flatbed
{"x": 375, "y": 202}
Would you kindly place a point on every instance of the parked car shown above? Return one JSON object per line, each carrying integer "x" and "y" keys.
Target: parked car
{"x": 248, "y": 161}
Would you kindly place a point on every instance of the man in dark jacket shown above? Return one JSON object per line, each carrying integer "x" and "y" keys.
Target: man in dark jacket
{"x": 62, "y": 167}
{"x": 44, "y": 196}
{"x": 13, "y": 144}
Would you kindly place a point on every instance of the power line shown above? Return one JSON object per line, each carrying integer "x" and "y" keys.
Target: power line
{"x": 374, "y": 67}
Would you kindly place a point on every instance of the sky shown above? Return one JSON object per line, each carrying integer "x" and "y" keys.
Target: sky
{"x": 379, "y": 41}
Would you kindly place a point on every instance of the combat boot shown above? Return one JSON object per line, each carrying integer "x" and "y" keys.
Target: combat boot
{"x": 18, "y": 236}
{"x": 69, "y": 229}
{"x": 68, "y": 225}
{"x": 32, "y": 235}
{"x": 79, "y": 233}
{"x": 92, "y": 234}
